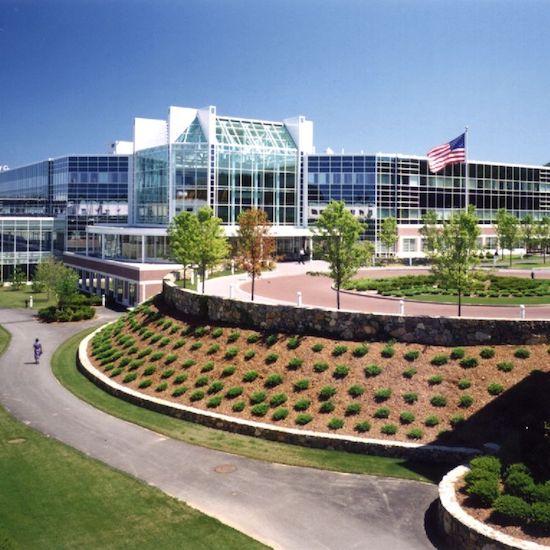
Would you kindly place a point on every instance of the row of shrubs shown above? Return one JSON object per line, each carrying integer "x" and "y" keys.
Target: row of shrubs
{"x": 511, "y": 492}
{"x": 65, "y": 314}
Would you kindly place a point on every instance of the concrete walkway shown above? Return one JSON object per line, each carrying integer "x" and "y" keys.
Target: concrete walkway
{"x": 283, "y": 506}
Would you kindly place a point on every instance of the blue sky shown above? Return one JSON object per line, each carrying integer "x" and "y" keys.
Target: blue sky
{"x": 392, "y": 76}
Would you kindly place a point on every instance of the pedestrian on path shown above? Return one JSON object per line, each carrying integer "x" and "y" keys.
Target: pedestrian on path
{"x": 301, "y": 260}
{"x": 37, "y": 346}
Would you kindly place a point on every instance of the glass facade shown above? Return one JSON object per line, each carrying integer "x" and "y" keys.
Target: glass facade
{"x": 25, "y": 191}
{"x": 151, "y": 186}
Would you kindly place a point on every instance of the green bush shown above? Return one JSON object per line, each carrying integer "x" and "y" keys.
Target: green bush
{"x": 214, "y": 402}
{"x": 409, "y": 373}
{"x": 161, "y": 387}
{"x": 250, "y": 376}
{"x": 431, "y": 421}
{"x": 540, "y": 515}
{"x": 208, "y": 366}
{"x": 465, "y": 401}
{"x": 214, "y": 348}
{"x": 278, "y": 399}
{"x": 458, "y": 353}
{"x": 201, "y": 381}
{"x": 280, "y": 414}
{"x": 511, "y": 509}
{"x": 258, "y": 397}
{"x": 295, "y": 363}
{"x": 415, "y": 433}
{"x": 167, "y": 324}
{"x": 341, "y": 371}
{"x": 382, "y": 394}
{"x": 149, "y": 370}
{"x": 411, "y": 355}
{"x": 389, "y": 429}
{"x": 303, "y": 419}
{"x": 229, "y": 371}
{"x": 439, "y": 359}
{"x": 495, "y": 388}
{"x": 487, "y": 353}
{"x": 217, "y": 332}
{"x": 464, "y": 384}
{"x": 356, "y": 390}
{"x": 317, "y": 347}
{"x": 522, "y": 353}
{"x": 129, "y": 377}
{"x": 170, "y": 359}
{"x": 157, "y": 355}
{"x": 195, "y": 346}
{"x": 302, "y": 405}
{"x": 485, "y": 491}
{"x": 260, "y": 409}
{"x": 135, "y": 364}
{"x": 253, "y": 338}
{"x": 293, "y": 342}
{"x": 271, "y": 358}
{"x": 238, "y": 406}
{"x": 167, "y": 373}
{"x": 234, "y": 392}
{"x": 505, "y": 366}
{"x": 200, "y": 332}
{"x": 326, "y": 407}
{"x": 335, "y": 424}
{"x": 360, "y": 350}
{"x": 353, "y": 409}
{"x": 188, "y": 363}
{"x": 406, "y": 417}
{"x": 197, "y": 395}
{"x": 468, "y": 362}
{"x": 155, "y": 338}
{"x": 519, "y": 484}
{"x": 326, "y": 392}
{"x": 231, "y": 352}
{"x": 144, "y": 352}
{"x": 271, "y": 340}
{"x": 388, "y": 351}
{"x": 249, "y": 354}
{"x": 362, "y": 427}
{"x": 410, "y": 397}
{"x": 233, "y": 336}
{"x": 339, "y": 350}
{"x": 180, "y": 379}
{"x": 273, "y": 380}
{"x": 382, "y": 412}
{"x": 215, "y": 387}
{"x": 372, "y": 370}
{"x": 145, "y": 383}
{"x": 488, "y": 463}
{"x": 435, "y": 380}
{"x": 164, "y": 341}
{"x": 301, "y": 385}
{"x": 455, "y": 420}
{"x": 438, "y": 401}
{"x": 320, "y": 366}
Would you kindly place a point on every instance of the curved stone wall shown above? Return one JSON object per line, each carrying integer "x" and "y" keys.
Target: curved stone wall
{"x": 348, "y": 325}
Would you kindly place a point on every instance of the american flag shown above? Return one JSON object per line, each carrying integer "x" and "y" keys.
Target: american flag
{"x": 448, "y": 153}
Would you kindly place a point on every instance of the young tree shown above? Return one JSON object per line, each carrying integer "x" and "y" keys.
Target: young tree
{"x": 455, "y": 253}
{"x": 542, "y": 231}
{"x": 507, "y": 229}
{"x": 211, "y": 243}
{"x": 339, "y": 231}
{"x": 388, "y": 234}
{"x": 66, "y": 286}
{"x": 48, "y": 273}
{"x": 17, "y": 278}
{"x": 255, "y": 246}
{"x": 429, "y": 231}
{"x": 528, "y": 232}
{"x": 182, "y": 233}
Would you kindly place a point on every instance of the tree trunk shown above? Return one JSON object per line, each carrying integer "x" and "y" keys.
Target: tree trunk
{"x": 253, "y": 283}
{"x": 203, "y": 277}
{"x": 459, "y": 302}
{"x": 337, "y": 295}
{"x": 510, "y": 257}
{"x": 184, "y": 277}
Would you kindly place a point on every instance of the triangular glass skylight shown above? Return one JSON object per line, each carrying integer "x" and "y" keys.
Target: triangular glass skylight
{"x": 193, "y": 134}
{"x": 252, "y": 133}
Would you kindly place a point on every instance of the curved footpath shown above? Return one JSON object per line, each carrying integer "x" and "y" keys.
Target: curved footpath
{"x": 283, "y": 506}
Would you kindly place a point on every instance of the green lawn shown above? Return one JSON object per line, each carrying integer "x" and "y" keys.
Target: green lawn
{"x": 52, "y": 496}
{"x": 16, "y": 298}
{"x": 519, "y": 262}
{"x": 443, "y": 298}
{"x": 64, "y": 368}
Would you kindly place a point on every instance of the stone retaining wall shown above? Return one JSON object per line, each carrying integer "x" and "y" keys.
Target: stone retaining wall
{"x": 396, "y": 449}
{"x": 444, "y": 331}
{"x": 462, "y": 531}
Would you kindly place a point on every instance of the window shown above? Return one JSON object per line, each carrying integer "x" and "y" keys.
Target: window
{"x": 409, "y": 245}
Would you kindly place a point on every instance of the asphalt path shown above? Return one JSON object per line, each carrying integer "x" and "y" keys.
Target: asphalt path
{"x": 283, "y": 506}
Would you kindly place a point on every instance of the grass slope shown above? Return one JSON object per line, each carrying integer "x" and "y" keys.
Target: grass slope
{"x": 64, "y": 368}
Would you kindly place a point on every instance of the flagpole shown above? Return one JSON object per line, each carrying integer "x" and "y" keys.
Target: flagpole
{"x": 467, "y": 190}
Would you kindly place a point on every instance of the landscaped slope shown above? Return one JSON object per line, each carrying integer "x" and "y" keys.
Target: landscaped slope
{"x": 375, "y": 389}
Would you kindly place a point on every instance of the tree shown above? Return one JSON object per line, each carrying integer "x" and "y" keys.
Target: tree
{"x": 542, "y": 231}
{"x": 429, "y": 231}
{"x": 388, "y": 233}
{"x": 182, "y": 233}
{"x": 211, "y": 243}
{"x": 255, "y": 246}
{"x": 507, "y": 229}
{"x": 17, "y": 278}
{"x": 48, "y": 273}
{"x": 66, "y": 286}
{"x": 455, "y": 253}
{"x": 339, "y": 231}
{"x": 528, "y": 232}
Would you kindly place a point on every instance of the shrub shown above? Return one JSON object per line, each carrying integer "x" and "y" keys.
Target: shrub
{"x": 389, "y": 429}
{"x": 476, "y": 474}
{"x": 540, "y": 514}
{"x": 215, "y": 387}
{"x": 409, "y": 373}
{"x": 303, "y": 419}
{"x": 238, "y": 406}
{"x": 149, "y": 370}
{"x": 326, "y": 407}
{"x": 341, "y": 371}
{"x": 197, "y": 395}
{"x": 415, "y": 433}
{"x": 362, "y": 427}
{"x": 167, "y": 324}
{"x": 200, "y": 331}
{"x": 320, "y": 366}
{"x": 129, "y": 377}
{"x": 353, "y": 409}
{"x": 468, "y": 362}
{"x": 439, "y": 359}
{"x": 231, "y": 352}
{"x": 327, "y": 392}
{"x": 195, "y": 346}
{"x": 382, "y": 412}
{"x": 201, "y": 381}
{"x": 356, "y": 390}
{"x": 317, "y": 347}
{"x": 217, "y": 332}
{"x": 435, "y": 380}
{"x": 250, "y": 376}
{"x": 278, "y": 399}
{"x": 233, "y": 336}
{"x": 179, "y": 379}
{"x": 522, "y": 353}
{"x": 302, "y": 405}
{"x": 411, "y": 355}
{"x": 157, "y": 355}
{"x": 253, "y": 338}
{"x": 293, "y": 342}
{"x": 188, "y": 363}
{"x": 485, "y": 491}
{"x": 431, "y": 421}
{"x": 135, "y": 364}
{"x": 335, "y": 424}
{"x": 295, "y": 363}
{"x": 382, "y": 394}
{"x": 179, "y": 343}
{"x": 145, "y": 383}
{"x": 167, "y": 373}
{"x": 257, "y": 397}
{"x": 271, "y": 340}
{"x": 406, "y": 417}
{"x": 438, "y": 401}
{"x": 519, "y": 484}
{"x": 495, "y": 388}
{"x": 339, "y": 350}
{"x": 228, "y": 371}
{"x": 155, "y": 338}
{"x": 372, "y": 370}
{"x": 208, "y": 366}
{"x": 488, "y": 463}
{"x": 249, "y": 354}
{"x": 465, "y": 401}
{"x": 271, "y": 358}
{"x": 164, "y": 341}
{"x": 170, "y": 359}
{"x": 273, "y": 380}
{"x": 214, "y": 348}
{"x": 456, "y": 420}
{"x": 511, "y": 509}
{"x": 161, "y": 387}
{"x": 233, "y": 392}
{"x": 260, "y": 409}
{"x": 144, "y": 352}
{"x": 487, "y": 353}
{"x": 360, "y": 351}
{"x": 458, "y": 353}
{"x": 214, "y": 402}
{"x": 464, "y": 384}
{"x": 505, "y": 366}
{"x": 280, "y": 414}
{"x": 301, "y": 385}
{"x": 388, "y": 351}
{"x": 410, "y": 397}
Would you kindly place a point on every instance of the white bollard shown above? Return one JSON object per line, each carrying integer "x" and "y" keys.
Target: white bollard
{"x": 401, "y": 307}
{"x": 231, "y": 291}
{"x": 299, "y": 299}
{"x": 31, "y": 302}
{"x": 522, "y": 311}
{"x": 103, "y": 300}
{"x": 232, "y": 267}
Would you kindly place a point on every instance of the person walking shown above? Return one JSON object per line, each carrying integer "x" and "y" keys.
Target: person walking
{"x": 37, "y": 346}
{"x": 302, "y": 256}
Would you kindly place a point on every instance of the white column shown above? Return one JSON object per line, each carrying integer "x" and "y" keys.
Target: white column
{"x": 143, "y": 249}
{"x": 299, "y": 299}
{"x": 102, "y": 237}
